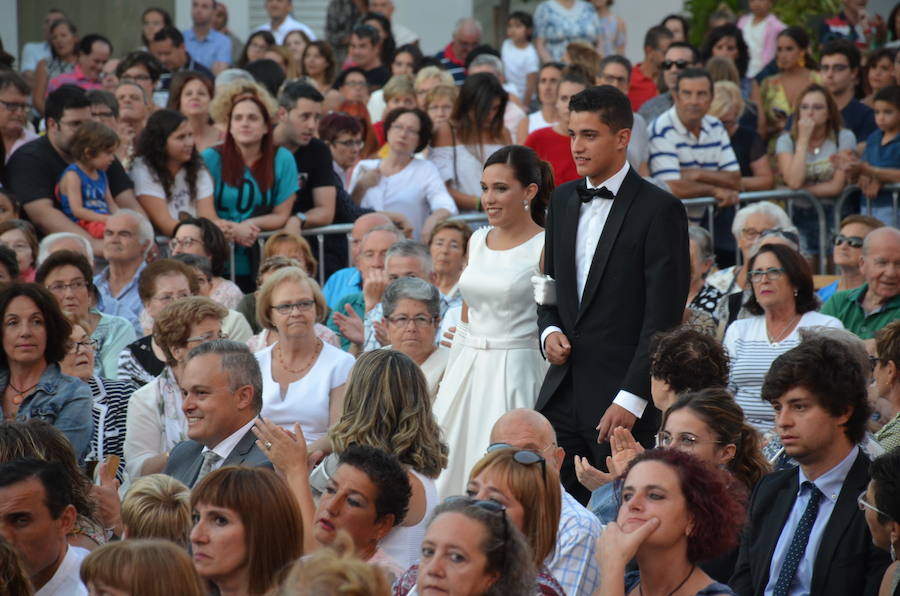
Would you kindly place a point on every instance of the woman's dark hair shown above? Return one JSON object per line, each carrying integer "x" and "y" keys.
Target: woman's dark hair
{"x": 267, "y": 73}
{"x": 885, "y": 474}
{"x": 685, "y": 25}
{"x": 324, "y": 48}
{"x": 528, "y": 169}
{"x": 716, "y": 514}
{"x": 725, "y": 418}
{"x": 473, "y": 106}
{"x": 180, "y": 80}
{"x": 412, "y": 50}
{"x": 62, "y": 258}
{"x": 505, "y": 547}
{"x": 824, "y": 367}
{"x": 388, "y": 45}
{"x": 893, "y": 32}
{"x": 801, "y": 38}
{"x": 196, "y": 261}
{"x": 718, "y": 34}
{"x": 336, "y": 123}
{"x": 9, "y": 262}
{"x": 425, "y": 125}
{"x": 872, "y": 59}
{"x": 688, "y": 360}
{"x": 525, "y": 19}
{"x": 213, "y": 240}
{"x": 387, "y": 474}
{"x": 797, "y": 270}
{"x": 151, "y": 147}
{"x": 342, "y": 77}
{"x": 64, "y": 22}
{"x": 266, "y": 35}
{"x": 150, "y": 63}
{"x": 55, "y": 322}
{"x": 167, "y": 21}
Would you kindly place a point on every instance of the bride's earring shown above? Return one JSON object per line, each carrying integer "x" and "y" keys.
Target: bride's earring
{"x": 525, "y": 203}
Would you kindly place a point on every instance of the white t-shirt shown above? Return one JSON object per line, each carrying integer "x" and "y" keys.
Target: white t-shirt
{"x": 289, "y": 24}
{"x": 518, "y": 63}
{"x": 307, "y": 400}
{"x": 755, "y": 36}
{"x": 67, "y": 581}
{"x": 416, "y": 191}
{"x": 179, "y": 199}
{"x": 536, "y": 121}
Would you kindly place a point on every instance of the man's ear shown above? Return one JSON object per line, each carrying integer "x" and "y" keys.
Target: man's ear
{"x": 281, "y": 115}
{"x": 244, "y": 397}
{"x": 67, "y": 520}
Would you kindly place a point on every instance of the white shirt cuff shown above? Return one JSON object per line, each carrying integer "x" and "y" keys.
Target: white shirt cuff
{"x": 631, "y": 402}
{"x": 548, "y": 331}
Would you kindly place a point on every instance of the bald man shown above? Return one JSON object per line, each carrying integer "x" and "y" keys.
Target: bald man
{"x": 572, "y": 563}
{"x": 349, "y": 280}
{"x": 868, "y": 308}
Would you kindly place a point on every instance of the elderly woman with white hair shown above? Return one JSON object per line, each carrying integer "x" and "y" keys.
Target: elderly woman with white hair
{"x": 412, "y": 315}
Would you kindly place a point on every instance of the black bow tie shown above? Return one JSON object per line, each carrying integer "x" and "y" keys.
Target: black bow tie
{"x": 589, "y": 194}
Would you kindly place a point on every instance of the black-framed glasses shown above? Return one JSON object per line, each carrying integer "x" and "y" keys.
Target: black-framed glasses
{"x": 863, "y": 505}
{"x": 493, "y": 507}
{"x": 420, "y": 321}
{"x": 184, "y": 242}
{"x": 74, "y": 285}
{"x": 681, "y": 64}
{"x": 526, "y": 457}
{"x": 86, "y": 345}
{"x": 771, "y": 274}
{"x": 853, "y": 241}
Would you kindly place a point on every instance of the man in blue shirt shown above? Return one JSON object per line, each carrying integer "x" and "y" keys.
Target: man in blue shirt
{"x": 840, "y": 69}
{"x": 349, "y": 279}
{"x": 208, "y": 47}
{"x": 805, "y": 533}
{"x": 168, "y": 46}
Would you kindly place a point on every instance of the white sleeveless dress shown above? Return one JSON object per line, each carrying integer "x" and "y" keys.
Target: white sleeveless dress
{"x": 495, "y": 364}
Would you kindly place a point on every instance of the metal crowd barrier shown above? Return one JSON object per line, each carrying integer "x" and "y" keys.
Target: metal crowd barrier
{"x": 851, "y": 190}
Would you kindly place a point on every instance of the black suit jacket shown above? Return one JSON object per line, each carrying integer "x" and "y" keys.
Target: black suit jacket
{"x": 847, "y": 562}
{"x": 637, "y": 285}
{"x": 186, "y": 458}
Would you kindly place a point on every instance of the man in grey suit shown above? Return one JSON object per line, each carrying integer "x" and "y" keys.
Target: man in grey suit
{"x": 222, "y": 388}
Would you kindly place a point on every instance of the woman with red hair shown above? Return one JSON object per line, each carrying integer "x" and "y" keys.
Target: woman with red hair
{"x": 255, "y": 182}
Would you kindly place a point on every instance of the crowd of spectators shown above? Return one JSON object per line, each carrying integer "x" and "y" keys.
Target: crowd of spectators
{"x": 202, "y": 395}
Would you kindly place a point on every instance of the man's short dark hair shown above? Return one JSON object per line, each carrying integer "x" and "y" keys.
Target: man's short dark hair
{"x": 104, "y": 97}
{"x": 86, "y": 44}
{"x": 10, "y": 78}
{"x": 139, "y": 57}
{"x": 297, "y": 90}
{"x": 67, "y": 97}
{"x": 386, "y": 472}
{"x": 53, "y": 477}
{"x": 615, "y": 59}
{"x": 695, "y": 54}
{"x": 655, "y": 35}
{"x": 694, "y": 73}
{"x": 611, "y": 106}
{"x": 823, "y": 367}
{"x": 845, "y": 47}
{"x": 369, "y": 32}
{"x": 170, "y": 32}
{"x": 239, "y": 364}
{"x": 890, "y": 94}
{"x": 9, "y": 261}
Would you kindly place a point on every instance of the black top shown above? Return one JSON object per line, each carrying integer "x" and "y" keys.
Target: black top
{"x": 36, "y": 167}
{"x": 748, "y": 147}
{"x": 377, "y": 77}
{"x": 314, "y": 166}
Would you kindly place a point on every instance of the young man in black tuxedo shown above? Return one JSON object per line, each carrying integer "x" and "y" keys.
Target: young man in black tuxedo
{"x": 617, "y": 247}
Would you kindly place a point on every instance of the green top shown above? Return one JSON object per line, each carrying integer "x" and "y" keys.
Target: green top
{"x": 847, "y": 306}
{"x": 888, "y": 436}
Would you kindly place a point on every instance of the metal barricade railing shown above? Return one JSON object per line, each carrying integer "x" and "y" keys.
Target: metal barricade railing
{"x": 851, "y": 190}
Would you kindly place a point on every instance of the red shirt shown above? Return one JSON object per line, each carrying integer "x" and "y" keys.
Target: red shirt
{"x": 641, "y": 88}
{"x": 556, "y": 149}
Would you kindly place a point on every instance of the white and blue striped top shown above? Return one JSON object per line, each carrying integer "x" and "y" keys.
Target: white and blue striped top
{"x": 673, "y": 148}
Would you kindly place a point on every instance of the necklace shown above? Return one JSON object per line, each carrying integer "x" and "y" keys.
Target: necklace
{"x": 780, "y": 335}
{"x": 678, "y": 587}
{"x": 309, "y": 364}
{"x": 20, "y": 392}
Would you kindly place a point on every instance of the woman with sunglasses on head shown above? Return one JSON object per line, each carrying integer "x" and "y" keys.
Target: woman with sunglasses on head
{"x": 782, "y": 301}
{"x": 675, "y": 513}
{"x": 881, "y": 504}
{"x": 847, "y": 251}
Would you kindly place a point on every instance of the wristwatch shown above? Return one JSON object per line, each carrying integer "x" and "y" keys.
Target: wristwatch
{"x": 302, "y": 217}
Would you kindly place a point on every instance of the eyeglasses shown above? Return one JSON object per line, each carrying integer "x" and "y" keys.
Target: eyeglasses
{"x": 771, "y": 274}
{"x": 684, "y": 441}
{"x": 75, "y": 285}
{"x": 526, "y": 457}
{"x": 681, "y": 64}
{"x": 207, "y": 337}
{"x": 852, "y": 241}
{"x": 491, "y": 506}
{"x": 350, "y": 144}
{"x": 169, "y": 298}
{"x": 85, "y": 345}
{"x": 184, "y": 242}
{"x": 420, "y": 321}
{"x": 751, "y": 233}
{"x": 13, "y": 106}
{"x": 404, "y": 129}
{"x": 286, "y": 309}
{"x": 863, "y": 505}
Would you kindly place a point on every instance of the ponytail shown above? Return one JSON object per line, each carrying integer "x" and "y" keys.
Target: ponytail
{"x": 749, "y": 464}
{"x": 541, "y": 201}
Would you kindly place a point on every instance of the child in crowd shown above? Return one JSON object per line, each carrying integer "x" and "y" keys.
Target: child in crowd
{"x": 760, "y": 28}
{"x": 520, "y": 60}
{"x": 881, "y": 157}
{"x": 83, "y": 188}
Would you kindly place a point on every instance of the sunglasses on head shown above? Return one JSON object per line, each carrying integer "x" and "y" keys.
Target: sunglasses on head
{"x": 681, "y": 64}
{"x": 853, "y": 241}
{"x": 525, "y": 457}
{"x": 493, "y": 507}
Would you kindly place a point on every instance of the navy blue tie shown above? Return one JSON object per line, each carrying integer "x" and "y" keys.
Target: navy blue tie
{"x": 798, "y": 542}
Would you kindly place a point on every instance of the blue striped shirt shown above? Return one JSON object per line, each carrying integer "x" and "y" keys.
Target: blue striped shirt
{"x": 673, "y": 148}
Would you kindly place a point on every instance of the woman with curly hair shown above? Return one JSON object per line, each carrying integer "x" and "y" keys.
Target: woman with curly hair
{"x": 255, "y": 182}
{"x": 675, "y": 513}
{"x": 170, "y": 180}
{"x": 191, "y": 93}
{"x": 390, "y": 383}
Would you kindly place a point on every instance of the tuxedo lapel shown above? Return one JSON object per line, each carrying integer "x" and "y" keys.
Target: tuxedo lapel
{"x": 620, "y": 208}
{"x": 782, "y": 503}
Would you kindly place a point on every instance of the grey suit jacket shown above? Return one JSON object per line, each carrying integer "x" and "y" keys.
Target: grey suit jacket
{"x": 186, "y": 458}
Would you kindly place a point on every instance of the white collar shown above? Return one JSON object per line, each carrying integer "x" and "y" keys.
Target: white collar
{"x": 225, "y": 448}
{"x": 614, "y": 182}
{"x": 66, "y": 580}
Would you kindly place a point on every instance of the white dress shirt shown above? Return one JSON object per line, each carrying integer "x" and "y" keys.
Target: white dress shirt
{"x": 591, "y": 222}
{"x": 67, "y": 581}
{"x": 224, "y": 449}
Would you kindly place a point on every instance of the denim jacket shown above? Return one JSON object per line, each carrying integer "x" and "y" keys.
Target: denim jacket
{"x": 63, "y": 401}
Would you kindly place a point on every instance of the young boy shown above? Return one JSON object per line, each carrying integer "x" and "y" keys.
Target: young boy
{"x": 520, "y": 60}
{"x": 83, "y": 189}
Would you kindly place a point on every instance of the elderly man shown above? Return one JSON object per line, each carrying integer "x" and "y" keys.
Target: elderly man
{"x": 643, "y": 77}
{"x": 64, "y": 241}
{"x": 210, "y": 48}
{"x": 222, "y": 387}
{"x": 14, "y": 92}
{"x": 677, "y": 57}
{"x": 572, "y": 563}
{"x": 36, "y": 517}
{"x": 126, "y": 241}
{"x": 876, "y": 303}
{"x": 349, "y": 280}
{"x": 93, "y": 52}
{"x": 847, "y": 252}
{"x": 466, "y": 35}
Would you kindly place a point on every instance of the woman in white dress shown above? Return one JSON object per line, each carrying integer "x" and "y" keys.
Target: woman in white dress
{"x": 495, "y": 363}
